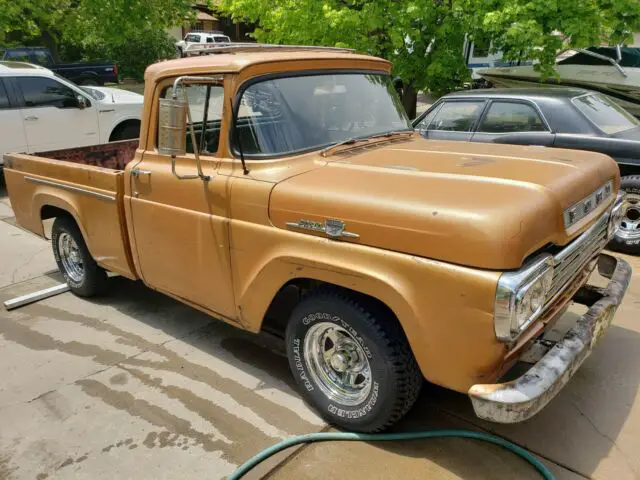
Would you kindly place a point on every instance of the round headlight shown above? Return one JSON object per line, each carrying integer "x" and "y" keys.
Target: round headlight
{"x": 531, "y": 299}
{"x": 521, "y": 297}
{"x": 537, "y": 297}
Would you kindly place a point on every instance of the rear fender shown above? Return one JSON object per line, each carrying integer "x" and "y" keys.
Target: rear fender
{"x": 61, "y": 201}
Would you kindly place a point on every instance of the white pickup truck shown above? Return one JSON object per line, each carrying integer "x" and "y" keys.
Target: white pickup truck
{"x": 41, "y": 111}
{"x": 197, "y": 38}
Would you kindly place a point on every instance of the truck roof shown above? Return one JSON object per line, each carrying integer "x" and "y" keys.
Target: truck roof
{"x": 227, "y": 60}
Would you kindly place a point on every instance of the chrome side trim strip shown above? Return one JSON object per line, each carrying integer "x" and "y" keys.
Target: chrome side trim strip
{"x": 70, "y": 188}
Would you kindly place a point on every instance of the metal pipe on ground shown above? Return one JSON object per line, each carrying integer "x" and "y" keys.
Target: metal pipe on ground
{"x": 23, "y": 300}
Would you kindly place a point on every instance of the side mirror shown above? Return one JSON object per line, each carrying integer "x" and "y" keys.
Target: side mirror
{"x": 82, "y": 102}
{"x": 173, "y": 117}
{"x": 172, "y": 127}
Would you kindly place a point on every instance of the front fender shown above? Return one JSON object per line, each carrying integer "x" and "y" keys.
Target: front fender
{"x": 115, "y": 122}
{"x": 279, "y": 271}
{"x": 445, "y": 310}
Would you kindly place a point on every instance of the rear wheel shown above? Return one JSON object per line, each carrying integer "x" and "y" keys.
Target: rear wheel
{"x": 627, "y": 237}
{"x": 352, "y": 362}
{"x": 81, "y": 272}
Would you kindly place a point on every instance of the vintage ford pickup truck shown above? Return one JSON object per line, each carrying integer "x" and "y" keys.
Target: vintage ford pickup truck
{"x": 283, "y": 189}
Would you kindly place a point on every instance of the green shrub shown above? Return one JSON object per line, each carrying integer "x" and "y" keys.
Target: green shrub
{"x": 132, "y": 54}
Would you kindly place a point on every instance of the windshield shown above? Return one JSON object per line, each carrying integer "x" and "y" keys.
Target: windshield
{"x": 295, "y": 114}
{"x": 94, "y": 93}
{"x": 608, "y": 116}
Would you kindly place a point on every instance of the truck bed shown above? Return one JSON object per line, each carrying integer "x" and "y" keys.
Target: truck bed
{"x": 86, "y": 183}
{"x": 114, "y": 155}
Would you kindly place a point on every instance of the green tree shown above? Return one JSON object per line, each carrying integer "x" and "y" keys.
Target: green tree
{"x": 131, "y": 32}
{"x": 424, "y": 38}
{"x": 23, "y": 21}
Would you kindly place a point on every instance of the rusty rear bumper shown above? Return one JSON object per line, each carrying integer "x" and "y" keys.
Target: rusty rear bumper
{"x": 525, "y": 396}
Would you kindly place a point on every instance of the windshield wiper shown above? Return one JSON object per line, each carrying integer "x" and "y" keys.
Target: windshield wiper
{"x": 347, "y": 141}
{"x": 365, "y": 138}
{"x": 393, "y": 133}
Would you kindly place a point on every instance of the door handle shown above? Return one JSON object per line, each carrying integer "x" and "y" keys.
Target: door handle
{"x": 137, "y": 173}
{"x": 31, "y": 118}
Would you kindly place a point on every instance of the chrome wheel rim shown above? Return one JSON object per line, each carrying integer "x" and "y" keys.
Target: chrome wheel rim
{"x": 70, "y": 257}
{"x": 337, "y": 363}
{"x": 630, "y": 226}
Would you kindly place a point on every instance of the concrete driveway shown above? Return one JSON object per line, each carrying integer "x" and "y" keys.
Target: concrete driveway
{"x": 136, "y": 385}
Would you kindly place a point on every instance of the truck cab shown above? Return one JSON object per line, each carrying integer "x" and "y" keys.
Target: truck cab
{"x": 282, "y": 188}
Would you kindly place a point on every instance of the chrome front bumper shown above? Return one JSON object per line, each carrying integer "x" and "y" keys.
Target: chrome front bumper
{"x": 525, "y": 396}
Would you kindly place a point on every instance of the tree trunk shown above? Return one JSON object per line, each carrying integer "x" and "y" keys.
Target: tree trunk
{"x": 409, "y": 100}
{"x": 49, "y": 41}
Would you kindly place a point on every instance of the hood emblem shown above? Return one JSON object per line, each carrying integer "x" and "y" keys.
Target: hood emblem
{"x": 332, "y": 228}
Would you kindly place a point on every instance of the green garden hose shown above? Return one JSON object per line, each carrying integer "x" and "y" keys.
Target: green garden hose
{"x": 388, "y": 437}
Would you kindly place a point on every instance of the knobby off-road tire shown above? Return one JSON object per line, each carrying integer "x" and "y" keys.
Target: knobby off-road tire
{"x": 627, "y": 237}
{"x": 352, "y": 363}
{"x": 81, "y": 272}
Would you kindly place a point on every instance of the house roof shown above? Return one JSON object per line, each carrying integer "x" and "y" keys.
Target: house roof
{"x": 200, "y": 15}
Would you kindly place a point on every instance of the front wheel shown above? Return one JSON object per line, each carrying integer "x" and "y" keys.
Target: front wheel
{"x": 627, "y": 237}
{"x": 352, "y": 363}
{"x": 81, "y": 272}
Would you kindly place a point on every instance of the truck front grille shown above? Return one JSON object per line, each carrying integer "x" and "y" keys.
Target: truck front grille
{"x": 572, "y": 259}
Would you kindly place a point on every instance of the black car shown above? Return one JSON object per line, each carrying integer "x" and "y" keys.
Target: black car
{"x": 80, "y": 73}
{"x": 551, "y": 117}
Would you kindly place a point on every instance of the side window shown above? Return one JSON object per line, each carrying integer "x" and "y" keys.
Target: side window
{"x": 193, "y": 38}
{"x": 508, "y": 117}
{"x": 424, "y": 123}
{"x": 456, "y": 116}
{"x": 4, "y": 97}
{"x": 46, "y": 92}
{"x": 18, "y": 56}
{"x": 201, "y": 111}
{"x": 209, "y": 39}
{"x": 42, "y": 58}
{"x": 481, "y": 47}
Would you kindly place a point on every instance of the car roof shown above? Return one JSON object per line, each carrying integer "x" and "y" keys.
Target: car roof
{"x": 209, "y": 34}
{"x": 11, "y": 68}
{"x": 530, "y": 93}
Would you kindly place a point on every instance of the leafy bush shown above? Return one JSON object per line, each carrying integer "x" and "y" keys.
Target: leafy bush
{"x": 133, "y": 54}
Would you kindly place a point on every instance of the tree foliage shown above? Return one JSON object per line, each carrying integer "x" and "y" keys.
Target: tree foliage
{"x": 424, "y": 38}
{"x": 131, "y": 32}
{"x": 132, "y": 53}
{"x": 21, "y": 20}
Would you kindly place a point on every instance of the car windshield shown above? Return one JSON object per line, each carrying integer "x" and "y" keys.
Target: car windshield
{"x": 608, "y": 116}
{"x": 294, "y": 114}
{"x": 94, "y": 93}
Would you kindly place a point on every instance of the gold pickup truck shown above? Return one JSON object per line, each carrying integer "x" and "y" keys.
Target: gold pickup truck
{"x": 283, "y": 189}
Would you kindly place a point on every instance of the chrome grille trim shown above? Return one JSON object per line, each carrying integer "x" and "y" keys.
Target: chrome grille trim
{"x": 569, "y": 262}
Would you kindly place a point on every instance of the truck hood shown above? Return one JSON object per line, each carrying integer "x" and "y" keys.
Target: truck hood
{"x": 481, "y": 205}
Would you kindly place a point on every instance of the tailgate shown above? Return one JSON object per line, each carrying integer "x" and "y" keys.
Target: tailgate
{"x": 40, "y": 188}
